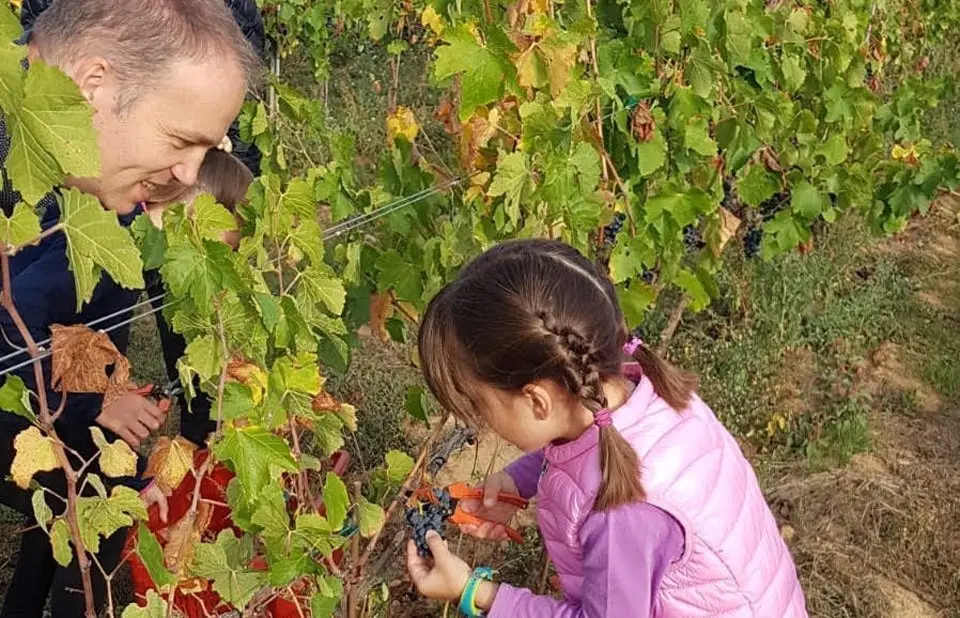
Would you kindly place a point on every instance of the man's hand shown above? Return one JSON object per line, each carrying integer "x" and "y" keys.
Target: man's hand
{"x": 496, "y": 514}
{"x": 133, "y": 417}
{"x": 444, "y": 577}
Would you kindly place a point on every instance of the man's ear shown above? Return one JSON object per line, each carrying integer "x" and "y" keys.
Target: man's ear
{"x": 540, "y": 400}
{"x": 91, "y": 75}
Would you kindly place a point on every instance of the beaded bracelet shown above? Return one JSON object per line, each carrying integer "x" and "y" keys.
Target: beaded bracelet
{"x": 468, "y": 599}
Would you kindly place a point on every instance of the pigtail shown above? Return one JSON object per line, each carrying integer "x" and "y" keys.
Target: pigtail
{"x": 672, "y": 384}
{"x": 619, "y": 464}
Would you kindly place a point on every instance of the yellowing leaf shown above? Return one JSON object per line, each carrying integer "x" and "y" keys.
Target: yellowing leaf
{"x": 348, "y": 414}
{"x": 170, "y": 462}
{"x": 34, "y": 453}
{"x": 402, "y": 123}
{"x": 250, "y": 375}
{"x": 116, "y": 459}
{"x": 60, "y": 541}
{"x": 183, "y": 539}
{"x": 95, "y": 240}
{"x": 20, "y": 228}
{"x": 432, "y": 20}
{"x": 53, "y": 134}
{"x": 369, "y": 517}
{"x": 156, "y": 608}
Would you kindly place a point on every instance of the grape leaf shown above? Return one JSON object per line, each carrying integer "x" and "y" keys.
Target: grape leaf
{"x": 60, "y": 541}
{"x": 369, "y": 517}
{"x": 34, "y": 453}
{"x": 11, "y": 55}
{"x": 399, "y": 465}
{"x": 101, "y": 517}
{"x": 693, "y": 14}
{"x": 210, "y": 218}
{"x": 20, "y": 228}
{"x": 183, "y": 538}
{"x": 156, "y": 607}
{"x": 651, "y": 155}
{"x": 15, "y": 398}
{"x": 336, "y": 500}
{"x": 42, "y": 512}
{"x": 328, "y": 432}
{"x": 53, "y": 134}
{"x": 415, "y": 404}
{"x": 432, "y": 19}
{"x": 320, "y": 285}
{"x": 152, "y": 556}
{"x": 348, "y": 414}
{"x": 835, "y": 149}
{"x": 298, "y": 199}
{"x": 327, "y": 600}
{"x": 223, "y": 562}
{"x": 151, "y": 240}
{"x": 756, "y": 185}
{"x": 512, "y": 181}
{"x": 95, "y": 240}
{"x": 255, "y": 455}
{"x": 170, "y": 461}
{"x": 691, "y": 284}
{"x": 806, "y": 200}
{"x": 116, "y": 458}
{"x": 80, "y": 360}
{"x": 697, "y": 138}
{"x": 483, "y": 72}
{"x": 793, "y": 73}
{"x": 635, "y": 301}
{"x": 205, "y": 356}
{"x": 400, "y": 275}
{"x": 271, "y": 513}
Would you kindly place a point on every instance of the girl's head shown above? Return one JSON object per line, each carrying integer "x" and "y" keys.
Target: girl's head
{"x": 529, "y": 340}
{"x": 223, "y": 176}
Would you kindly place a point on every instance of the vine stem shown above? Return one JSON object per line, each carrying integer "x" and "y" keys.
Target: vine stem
{"x": 418, "y": 466}
{"x": 667, "y": 336}
{"x": 46, "y": 422}
{"x": 47, "y": 232}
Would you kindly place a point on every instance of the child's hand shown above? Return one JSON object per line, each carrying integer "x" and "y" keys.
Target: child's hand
{"x": 133, "y": 417}
{"x": 154, "y": 495}
{"x": 496, "y": 514}
{"x": 442, "y": 578}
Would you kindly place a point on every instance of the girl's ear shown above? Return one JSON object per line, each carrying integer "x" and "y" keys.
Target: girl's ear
{"x": 540, "y": 400}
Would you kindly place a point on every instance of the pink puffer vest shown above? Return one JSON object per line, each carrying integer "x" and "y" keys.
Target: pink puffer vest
{"x": 735, "y": 563}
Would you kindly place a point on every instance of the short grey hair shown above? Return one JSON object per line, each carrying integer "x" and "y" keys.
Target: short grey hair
{"x": 141, "y": 38}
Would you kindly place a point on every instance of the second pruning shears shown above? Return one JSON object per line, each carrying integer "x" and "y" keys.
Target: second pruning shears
{"x": 462, "y": 491}
{"x": 165, "y": 391}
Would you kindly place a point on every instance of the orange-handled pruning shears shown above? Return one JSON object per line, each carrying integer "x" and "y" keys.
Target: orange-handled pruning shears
{"x": 167, "y": 391}
{"x": 463, "y": 491}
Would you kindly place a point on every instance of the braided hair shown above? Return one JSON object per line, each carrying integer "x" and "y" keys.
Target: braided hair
{"x": 533, "y": 310}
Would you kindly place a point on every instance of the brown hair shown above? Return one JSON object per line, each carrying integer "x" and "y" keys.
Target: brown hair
{"x": 141, "y": 38}
{"x": 532, "y": 310}
{"x": 225, "y": 177}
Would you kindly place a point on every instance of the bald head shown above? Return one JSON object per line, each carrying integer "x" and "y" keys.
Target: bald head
{"x": 141, "y": 39}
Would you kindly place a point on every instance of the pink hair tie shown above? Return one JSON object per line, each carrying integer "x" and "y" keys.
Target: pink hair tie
{"x": 630, "y": 347}
{"x": 603, "y": 418}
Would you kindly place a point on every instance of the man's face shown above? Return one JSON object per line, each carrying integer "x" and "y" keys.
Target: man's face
{"x": 154, "y": 149}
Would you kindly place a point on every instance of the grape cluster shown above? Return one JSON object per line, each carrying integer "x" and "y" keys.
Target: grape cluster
{"x": 611, "y": 231}
{"x": 751, "y": 242}
{"x": 427, "y": 516}
{"x": 693, "y": 238}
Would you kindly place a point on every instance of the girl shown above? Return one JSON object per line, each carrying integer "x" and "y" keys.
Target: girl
{"x": 646, "y": 504}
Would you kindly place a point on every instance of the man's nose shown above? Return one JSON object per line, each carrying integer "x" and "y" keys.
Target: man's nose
{"x": 187, "y": 170}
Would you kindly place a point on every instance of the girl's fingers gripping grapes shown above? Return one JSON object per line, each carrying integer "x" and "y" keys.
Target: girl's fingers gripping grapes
{"x": 442, "y": 577}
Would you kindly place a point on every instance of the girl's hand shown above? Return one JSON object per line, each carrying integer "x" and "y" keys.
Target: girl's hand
{"x": 442, "y": 578}
{"x": 496, "y": 514}
{"x": 154, "y": 495}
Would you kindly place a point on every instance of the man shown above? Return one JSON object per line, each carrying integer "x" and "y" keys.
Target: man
{"x": 247, "y": 16}
{"x": 165, "y": 79}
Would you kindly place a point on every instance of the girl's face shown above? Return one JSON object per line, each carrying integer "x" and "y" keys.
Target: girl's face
{"x": 539, "y": 414}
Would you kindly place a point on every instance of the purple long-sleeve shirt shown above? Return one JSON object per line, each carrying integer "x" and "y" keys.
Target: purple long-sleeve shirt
{"x": 626, "y": 552}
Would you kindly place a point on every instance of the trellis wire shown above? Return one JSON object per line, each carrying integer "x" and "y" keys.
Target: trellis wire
{"x": 328, "y": 234}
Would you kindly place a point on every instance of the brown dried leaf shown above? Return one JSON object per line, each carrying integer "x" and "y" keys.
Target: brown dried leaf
{"x": 642, "y": 123}
{"x": 381, "y": 309}
{"x": 770, "y": 160}
{"x": 80, "y": 360}
{"x": 170, "y": 461}
{"x": 726, "y": 229}
{"x": 325, "y": 402}
{"x": 182, "y": 540}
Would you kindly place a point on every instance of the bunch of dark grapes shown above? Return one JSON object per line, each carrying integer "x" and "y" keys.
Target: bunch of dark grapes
{"x": 427, "y": 516}
{"x": 693, "y": 238}
{"x": 751, "y": 242}
{"x": 772, "y": 206}
{"x": 611, "y": 231}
